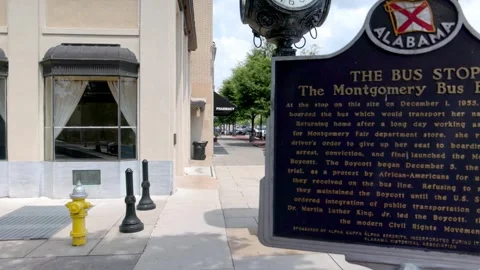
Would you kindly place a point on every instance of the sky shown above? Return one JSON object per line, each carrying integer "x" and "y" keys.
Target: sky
{"x": 345, "y": 19}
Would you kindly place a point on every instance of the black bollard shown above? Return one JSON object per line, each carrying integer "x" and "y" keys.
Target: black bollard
{"x": 146, "y": 203}
{"x": 131, "y": 223}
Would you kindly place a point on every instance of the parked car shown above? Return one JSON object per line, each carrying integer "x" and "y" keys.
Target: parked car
{"x": 241, "y": 131}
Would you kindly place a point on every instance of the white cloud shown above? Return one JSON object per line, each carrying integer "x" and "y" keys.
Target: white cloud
{"x": 232, "y": 38}
{"x": 342, "y": 25}
{"x": 470, "y": 9}
{"x": 346, "y": 18}
{"x": 230, "y": 51}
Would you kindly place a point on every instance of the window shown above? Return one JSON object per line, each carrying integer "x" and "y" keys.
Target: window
{"x": 90, "y": 118}
{"x": 90, "y": 102}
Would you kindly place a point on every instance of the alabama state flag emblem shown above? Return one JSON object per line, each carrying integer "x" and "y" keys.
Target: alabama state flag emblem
{"x": 410, "y": 16}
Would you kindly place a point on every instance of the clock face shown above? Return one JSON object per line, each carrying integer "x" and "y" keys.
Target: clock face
{"x": 293, "y": 4}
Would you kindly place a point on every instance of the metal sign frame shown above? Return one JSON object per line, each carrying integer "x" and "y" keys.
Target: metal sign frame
{"x": 375, "y": 257}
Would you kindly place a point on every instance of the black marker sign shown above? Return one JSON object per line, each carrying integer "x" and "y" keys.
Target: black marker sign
{"x": 379, "y": 146}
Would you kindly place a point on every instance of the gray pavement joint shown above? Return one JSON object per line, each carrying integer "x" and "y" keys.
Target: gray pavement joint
{"x": 94, "y": 247}
{"x": 335, "y": 261}
{"x": 26, "y": 255}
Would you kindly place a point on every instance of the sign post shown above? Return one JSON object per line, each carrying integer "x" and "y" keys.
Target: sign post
{"x": 374, "y": 150}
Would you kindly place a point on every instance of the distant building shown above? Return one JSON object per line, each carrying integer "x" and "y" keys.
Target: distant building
{"x": 202, "y": 79}
{"x": 90, "y": 88}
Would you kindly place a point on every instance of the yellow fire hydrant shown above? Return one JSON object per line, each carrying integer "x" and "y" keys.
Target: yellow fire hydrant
{"x": 78, "y": 211}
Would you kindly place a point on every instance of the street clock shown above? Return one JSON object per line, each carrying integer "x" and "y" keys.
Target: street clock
{"x": 284, "y": 22}
{"x": 293, "y": 4}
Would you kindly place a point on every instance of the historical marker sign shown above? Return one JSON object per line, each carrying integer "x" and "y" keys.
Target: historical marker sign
{"x": 375, "y": 149}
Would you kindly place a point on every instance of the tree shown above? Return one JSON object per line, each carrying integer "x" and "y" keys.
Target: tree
{"x": 313, "y": 50}
{"x": 268, "y": 49}
{"x": 250, "y": 83}
{"x": 228, "y": 92}
{"x": 249, "y": 86}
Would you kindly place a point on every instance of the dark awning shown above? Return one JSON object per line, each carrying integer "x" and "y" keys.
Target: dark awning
{"x": 222, "y": 106}
{"x": 70, "y": 59}
{"x": 3, "y": 64}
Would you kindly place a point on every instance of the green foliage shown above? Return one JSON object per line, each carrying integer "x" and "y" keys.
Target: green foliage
{"x": 267, "y": 49}
{"x": 253, "y": 83}
{"x": 228, "y": 92}
{"x": 249, "y": 85}
{"x": 312, "y": 50}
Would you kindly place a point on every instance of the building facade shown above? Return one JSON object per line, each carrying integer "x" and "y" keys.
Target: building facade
{"x": 202, "y": 80}
{"x": 90, "y": 88}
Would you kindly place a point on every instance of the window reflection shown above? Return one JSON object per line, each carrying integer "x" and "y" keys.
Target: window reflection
{"x": 88, "y": 143}
{"x": 129, "y": 145}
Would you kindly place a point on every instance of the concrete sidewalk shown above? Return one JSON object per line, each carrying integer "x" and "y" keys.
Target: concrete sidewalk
{"x": 206, "y": 224}
{"x": 194, "y": 229}
{"x": 238, "y": 188}
{"x": 106, "y": 247}
{"x": 216, "y": 227}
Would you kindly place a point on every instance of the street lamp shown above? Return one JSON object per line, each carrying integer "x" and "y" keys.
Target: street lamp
{"x": 284, "y": 22}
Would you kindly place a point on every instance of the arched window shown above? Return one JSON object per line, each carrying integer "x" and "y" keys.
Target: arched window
{"x": 90, "y": 102}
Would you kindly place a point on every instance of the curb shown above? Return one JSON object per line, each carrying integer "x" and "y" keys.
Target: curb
{"x": 212, "y": 171}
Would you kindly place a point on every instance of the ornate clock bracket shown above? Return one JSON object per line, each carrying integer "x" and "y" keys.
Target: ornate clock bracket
{"x": 283, "y": 27}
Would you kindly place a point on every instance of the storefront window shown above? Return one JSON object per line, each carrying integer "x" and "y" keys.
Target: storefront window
{"x": 91, "y": 118}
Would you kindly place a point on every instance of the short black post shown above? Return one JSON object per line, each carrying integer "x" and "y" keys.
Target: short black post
{"x": 146, "y": 203}
{"x": 131, "y": 223}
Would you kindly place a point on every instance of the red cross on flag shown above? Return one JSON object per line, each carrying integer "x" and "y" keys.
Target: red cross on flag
{"x": 410, "y": 16}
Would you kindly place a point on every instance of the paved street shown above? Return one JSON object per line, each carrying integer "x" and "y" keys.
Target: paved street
{"x": 236, "y": 151}
{"x": 206, "y": 224}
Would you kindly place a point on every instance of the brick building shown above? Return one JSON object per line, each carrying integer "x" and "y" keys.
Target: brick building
{"x": 202, "y": 78}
